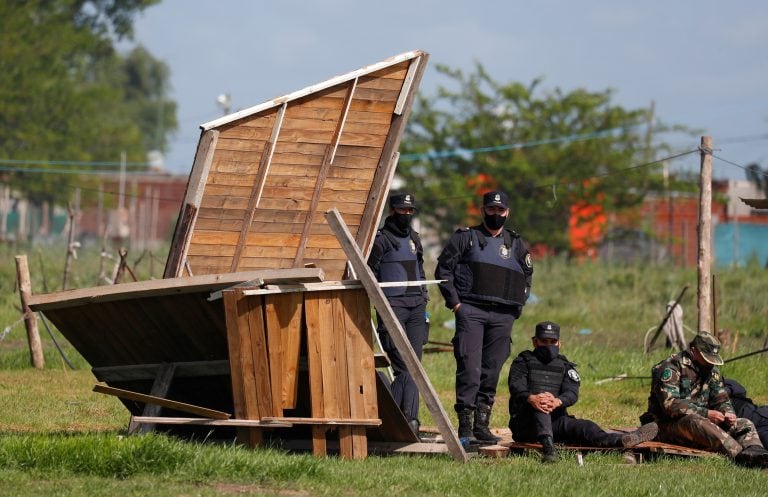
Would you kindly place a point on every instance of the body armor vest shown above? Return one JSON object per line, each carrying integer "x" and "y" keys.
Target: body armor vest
{"x": 400, "y": 264}
{"x": 496, "y": 273}
{"x": 545, "y": 377}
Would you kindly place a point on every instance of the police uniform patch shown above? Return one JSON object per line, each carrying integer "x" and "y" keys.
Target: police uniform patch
{"x": 716, "y": 376}
{"x": 574, "y": 375}
{"x": 528, "y": 261}
{"x": 666, "y": 375}
{"x": 504, "y": 252}
{"x": 412, "y": 245}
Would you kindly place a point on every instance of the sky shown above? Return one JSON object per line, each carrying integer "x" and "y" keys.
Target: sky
{"x": 703, "y": 63}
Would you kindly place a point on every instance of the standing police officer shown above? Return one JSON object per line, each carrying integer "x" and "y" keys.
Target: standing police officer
{"x": 542, "y": 384}
{"x": 487, "y": 271}
{"x": 397, "y": 255}
{"x": 690, "y": 403}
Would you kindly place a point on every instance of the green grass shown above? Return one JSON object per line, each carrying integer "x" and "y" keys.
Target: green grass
{"x": 59, "y": 438}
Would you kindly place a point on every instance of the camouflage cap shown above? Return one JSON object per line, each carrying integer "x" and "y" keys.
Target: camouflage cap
{"x": 709, "y": 347}
{"x": 547, "y": 329}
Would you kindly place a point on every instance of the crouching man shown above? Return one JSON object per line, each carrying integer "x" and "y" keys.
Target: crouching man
{"x": 542, "y": 384}
{"x": 690, "y": 404}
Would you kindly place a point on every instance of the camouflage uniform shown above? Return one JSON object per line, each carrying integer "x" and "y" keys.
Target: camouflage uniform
{"x": 682, "y": 392}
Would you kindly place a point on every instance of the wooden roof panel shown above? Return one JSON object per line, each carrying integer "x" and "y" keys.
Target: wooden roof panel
{"x": 329, "y": 145}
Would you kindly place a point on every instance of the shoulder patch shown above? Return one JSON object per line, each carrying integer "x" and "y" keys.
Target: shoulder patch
{"x": 666, "y": 375}
{"x": 574, "y": 375}
{"x": 715, "y": 375}
{"x": 528, "y": 261}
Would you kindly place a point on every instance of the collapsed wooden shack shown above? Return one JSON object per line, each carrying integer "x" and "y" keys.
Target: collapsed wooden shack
{"x": 254, "y": 328}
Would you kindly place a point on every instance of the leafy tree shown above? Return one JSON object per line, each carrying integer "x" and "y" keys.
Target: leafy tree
{"x": 65, "y": 94}
{"x": 578, "y": 147}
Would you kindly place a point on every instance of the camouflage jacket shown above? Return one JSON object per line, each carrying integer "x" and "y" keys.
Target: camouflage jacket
{"x": 680, "y": 387}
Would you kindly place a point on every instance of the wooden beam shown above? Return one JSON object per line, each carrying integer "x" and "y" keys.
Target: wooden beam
{"x": 159, "y": 389}
{"x": 406, "y": 88}
{"x": 392, "y": 61}
{"x": 388, "y": 160}
{"x": 246, "y": 423}
{"x": 412, "y": 363}
{"x": 171, "y": 404}
{"x": 330, "y": 153}
{"x": 321, "y": 421}
{"x": 170, "y": 286}
{"x": 192, "y": 198}
{"x": 258, "y": 186}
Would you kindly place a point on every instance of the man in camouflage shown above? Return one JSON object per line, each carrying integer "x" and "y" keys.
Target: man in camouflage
{"x": 689, "y": 402}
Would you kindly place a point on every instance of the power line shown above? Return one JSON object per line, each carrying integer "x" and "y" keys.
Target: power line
{"x": 84, "y": 172}
{"x": 535, "y": 143}
{"x": 760, "y": 172}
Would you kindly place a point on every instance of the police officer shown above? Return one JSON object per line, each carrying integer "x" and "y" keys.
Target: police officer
{"x": 746, "y": 408}
{"x": 542, "y": 385}
{"x": 487, "y": 271}
{"x": 397, "y": 255}
{"x": 689, "y": 402}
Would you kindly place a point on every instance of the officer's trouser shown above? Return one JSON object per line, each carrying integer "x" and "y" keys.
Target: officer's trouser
{"x": 532, "y": 424}
{"x": 697, "y": 431}
{"x": 480, "y": 346}
{"x": 403, "y": 388}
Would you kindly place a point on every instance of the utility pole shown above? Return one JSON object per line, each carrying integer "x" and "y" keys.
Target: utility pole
{"x": 704, "y": 260}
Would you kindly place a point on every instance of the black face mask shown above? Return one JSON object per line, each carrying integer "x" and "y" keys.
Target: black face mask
{"x": 402, "y": 221}
{"x": 546, "y": 353}
{"x": 494, "y": 221}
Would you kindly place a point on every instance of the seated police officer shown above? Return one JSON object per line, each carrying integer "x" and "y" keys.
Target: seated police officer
{"x": 397, "y": 256}
{"x": 542, "y": 384}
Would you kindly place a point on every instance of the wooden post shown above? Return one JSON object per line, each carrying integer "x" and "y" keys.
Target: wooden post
{"x": 397, "y": 334}
{"x": 704, "y": 260}
{"x": 30, "y": 320}
{"x": 70, "y": 246}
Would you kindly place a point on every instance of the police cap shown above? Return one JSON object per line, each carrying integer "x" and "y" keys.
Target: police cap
{"x": 496, "y": 198}
{"x": 402, "y": 200}
{"x": 709, "y": 347}
{"x": 547, "y": 329}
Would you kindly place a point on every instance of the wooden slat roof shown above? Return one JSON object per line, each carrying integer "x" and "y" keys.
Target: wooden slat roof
{"x": 264, "y": 176}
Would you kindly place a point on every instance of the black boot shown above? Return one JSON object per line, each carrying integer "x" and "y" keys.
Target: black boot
{"x": 548, "y": 453}
{"x": 465, "y": 424}
{"x": 482, "y": 420}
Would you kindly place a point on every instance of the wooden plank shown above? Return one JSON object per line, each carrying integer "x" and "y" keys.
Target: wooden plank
{"x": 284, "y": 312}
{"x": 248, "y": 423}
{"x": 392, "y": 324}
{"x": 159, "y": 389}
{"x": 323, "y": 421}
{"x": 260, "y": 356}
{"x": 171, "y": 404}
{"x": 192, "y": 199}
{"x": 388, "y": 159}
{"x": 170, "y": 286}
{"x": 327, "y": 161}
{"x": 341, "y": 376}
{"x": 258, "y": 186}
{"x": 232, "y": 314}
{"x": 318, "y": 88}
{"x": 406, "y": 86}
{"x": 315, "y": 365}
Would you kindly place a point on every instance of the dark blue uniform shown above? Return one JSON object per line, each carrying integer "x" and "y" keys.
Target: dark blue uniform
{"x": 491, "y": 278}
{"x": 398, "y": 256}
{"x": 527, "y": 376}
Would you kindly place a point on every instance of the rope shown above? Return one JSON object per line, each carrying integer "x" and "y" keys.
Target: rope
{"x": 8, "y": 328}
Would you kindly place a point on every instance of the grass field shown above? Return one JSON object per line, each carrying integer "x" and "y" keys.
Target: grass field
{"x": 58, "y": 438}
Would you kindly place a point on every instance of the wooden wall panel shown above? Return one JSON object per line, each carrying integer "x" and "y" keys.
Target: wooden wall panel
{"x": 320, "y": 148}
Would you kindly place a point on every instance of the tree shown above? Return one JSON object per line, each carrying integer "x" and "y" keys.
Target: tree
{"x": 66, "y": 95}
{"x": 550, "y": 150}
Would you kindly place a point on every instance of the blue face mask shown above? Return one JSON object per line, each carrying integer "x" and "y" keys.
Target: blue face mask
{"x": 546, "y": 353}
